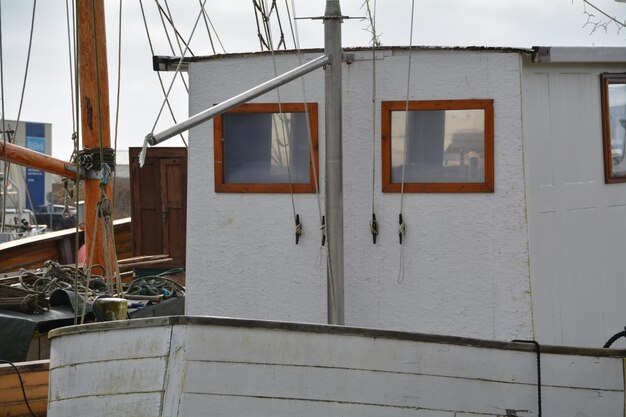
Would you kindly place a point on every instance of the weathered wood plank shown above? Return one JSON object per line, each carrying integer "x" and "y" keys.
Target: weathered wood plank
{"x": 108, "y": 378}
{"x": 136, "y": 405}
{"x": 19, "y": 409}
{"x": 393, "y": 390}
{"x": 35, "y": 378}
{"x": 15, "y": 394}
{"x": 197, "y": 405}
{"x": 9, "y": 379}
{"x": 311, "y": 349}
{"x": 32, "y": 252}
{"x": 128, "y": 344}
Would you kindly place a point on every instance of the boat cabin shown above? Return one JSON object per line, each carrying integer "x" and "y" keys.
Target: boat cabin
{"x": 512, "y": 192}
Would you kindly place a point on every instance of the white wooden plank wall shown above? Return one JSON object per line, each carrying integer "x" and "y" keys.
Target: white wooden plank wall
{"x": 577, "y": 223}
{"x": 278, "y": 372}
{"x": 216, "y": 370}
{"x": 109, "y": 373}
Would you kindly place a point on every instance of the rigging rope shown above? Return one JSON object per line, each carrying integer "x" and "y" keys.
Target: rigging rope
{"x": 30, "y": 45}
{"x": 260, "y": 8}
{"x": 206, "y": 24}
{"x": 402, "y": 226}
{"x": 19, "y": 113}
{"x": 5, "y": 175}
{"x": 372, "y": 18}
{"x": 69, "y": 50}
{"x": 75, "y": 139}
{"x": 145, "y": 22}
{"x": 286, "y": 138}
{"x": 168, "y": 16}
{"x": 170, "y": 19}
{"x": 119, "y": 82}
{"x": 296, "y": 41}
{"x": 180, "y": 62}
{"x": 204, "y": 12}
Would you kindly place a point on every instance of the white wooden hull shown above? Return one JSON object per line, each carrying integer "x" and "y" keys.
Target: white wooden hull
{"x": 201, "y": 366}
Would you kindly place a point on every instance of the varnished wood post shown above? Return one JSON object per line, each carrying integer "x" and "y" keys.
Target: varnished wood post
{"x": 94, "y": 86}
{"x": 19, "y": 155}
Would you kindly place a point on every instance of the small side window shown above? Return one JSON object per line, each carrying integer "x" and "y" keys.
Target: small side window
{"x": 264, "y": 148}
{"x": 614, "y": 126}
{"x": 443, "y": 146}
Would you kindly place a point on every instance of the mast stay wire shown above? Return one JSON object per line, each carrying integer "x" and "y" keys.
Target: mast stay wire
{"x": 117, "y": 97}
{"x": 293, "y": 25}
{"x": 6, "y": 164}
{"x": 75, "y": 135}
{"x": 169, "y": 106}
{"x": 5, "y": 176}
{"x": 206, "y": 15}
{"x": 167, "y": 35}
{"x": 177, "y": 69}
{"x": 168, "y": 16}
{"x": 402, "y": 227}
{"x": 286, "y": 138}
{"x": 375, "y": 43}
{"x": 296, "y": 40}
{"x": 206, "y": 24}
{"x": 261, "y": 7}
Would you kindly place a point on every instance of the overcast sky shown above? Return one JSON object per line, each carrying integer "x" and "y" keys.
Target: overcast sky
{"x": 516, "y": 23}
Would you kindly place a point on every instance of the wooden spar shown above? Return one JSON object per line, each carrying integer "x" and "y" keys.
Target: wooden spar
{"x": 26, "y": 157}
{"x": 94, "y": 105}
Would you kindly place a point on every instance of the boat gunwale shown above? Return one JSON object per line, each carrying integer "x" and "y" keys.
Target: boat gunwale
{"x": 335, "y": 330}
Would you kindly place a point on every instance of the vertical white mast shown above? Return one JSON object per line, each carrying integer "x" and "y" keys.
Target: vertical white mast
{"x": 334, "y": 164}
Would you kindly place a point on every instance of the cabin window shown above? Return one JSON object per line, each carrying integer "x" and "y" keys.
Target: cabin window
{"x": 614, "y": 126}
{"x": 448, "y": 146}
{"x": 264, "y": 148}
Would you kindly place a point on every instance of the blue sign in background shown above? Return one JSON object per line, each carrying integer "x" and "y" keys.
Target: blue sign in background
{"x": 35, "y": 179}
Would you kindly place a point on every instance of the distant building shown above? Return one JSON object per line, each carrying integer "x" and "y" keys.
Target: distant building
{"x": 27, "y": 187}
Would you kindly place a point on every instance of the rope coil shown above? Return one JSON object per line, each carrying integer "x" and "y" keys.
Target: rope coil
{"x": 93, "y": 158}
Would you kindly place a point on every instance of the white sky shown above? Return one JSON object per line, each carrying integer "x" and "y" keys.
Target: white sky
{"x": 516, "y": 23}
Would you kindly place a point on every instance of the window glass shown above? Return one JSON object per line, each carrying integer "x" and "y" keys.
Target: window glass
{"x": 613, "y": 93}
{"x": 264, "y": 147}
{"x": 437, "y": 146}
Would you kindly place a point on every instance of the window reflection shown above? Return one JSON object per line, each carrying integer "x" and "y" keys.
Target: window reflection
{"x": 441, "y": 146}
{"x": 266, "y": 148}
{"x": 617, "y": 126}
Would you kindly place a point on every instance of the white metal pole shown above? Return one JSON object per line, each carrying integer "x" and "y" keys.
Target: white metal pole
{"x": 334, "y": 167}
{"x": 235, "y": 101}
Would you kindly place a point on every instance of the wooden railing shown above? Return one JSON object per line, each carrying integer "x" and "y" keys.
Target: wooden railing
{"x": 31, "y": 252}
{"x": 35, "y": 378}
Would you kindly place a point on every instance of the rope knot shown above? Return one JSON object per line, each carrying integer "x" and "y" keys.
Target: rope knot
{"x": 299, "y": 230}
{"x": 374, "y": 228}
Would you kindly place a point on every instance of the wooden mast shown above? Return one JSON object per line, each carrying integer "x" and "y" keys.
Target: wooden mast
{"x": 94, "y": 105}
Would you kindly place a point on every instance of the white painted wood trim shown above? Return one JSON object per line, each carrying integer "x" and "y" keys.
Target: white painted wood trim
{"x": 174, "y": 381}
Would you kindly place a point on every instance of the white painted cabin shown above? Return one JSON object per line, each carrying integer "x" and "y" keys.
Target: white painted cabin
{"x": 539, "y": 257}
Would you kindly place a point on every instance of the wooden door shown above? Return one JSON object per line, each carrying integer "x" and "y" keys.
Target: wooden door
{"x": 173, "y": 199}
{"x": 159, "y": 204}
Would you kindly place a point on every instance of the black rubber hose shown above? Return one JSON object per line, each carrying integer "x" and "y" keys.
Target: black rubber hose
{"x": 19, "y": 376}
{"x": 614, "y": 338}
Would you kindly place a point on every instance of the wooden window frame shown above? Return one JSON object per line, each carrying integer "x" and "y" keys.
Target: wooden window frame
{"x": 605, "y": 80}
{"x": 422, "y": 187}
{"x": 223, "y": 187}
